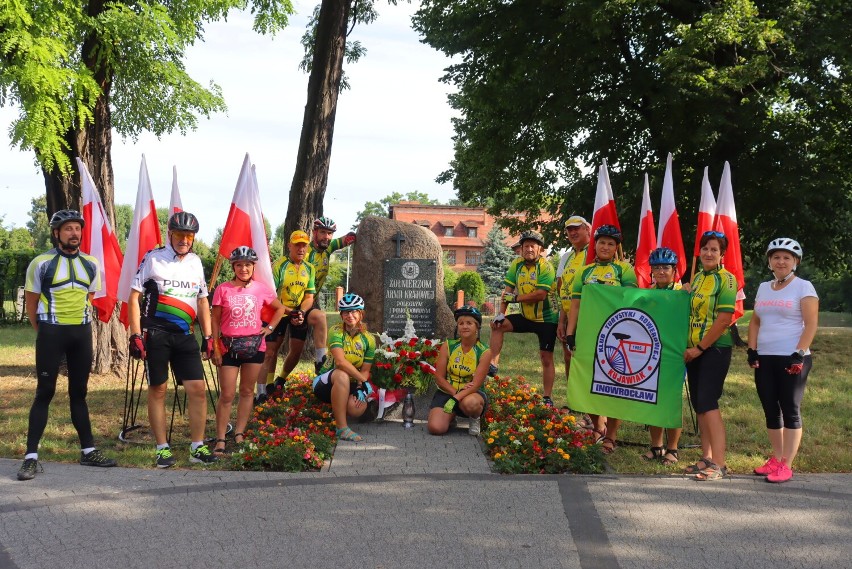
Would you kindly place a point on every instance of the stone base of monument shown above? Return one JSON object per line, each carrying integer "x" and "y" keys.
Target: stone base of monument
{"x": 421, "y": 407}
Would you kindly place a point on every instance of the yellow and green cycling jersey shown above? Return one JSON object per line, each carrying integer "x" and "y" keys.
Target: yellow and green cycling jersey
{"x": 530, "y": 278}
{"x": 576, "y": 261}
{"x": 63, "y": 283}
{"x": 613, "y": 273}
{"x": 292, "y": 281}
{"x": 359, "y": 348}
{"x": 462, "y": 365}
{"x": 321, "y": 259}
{"x": 712, "y": 292}
{"x": 672, "y": 286}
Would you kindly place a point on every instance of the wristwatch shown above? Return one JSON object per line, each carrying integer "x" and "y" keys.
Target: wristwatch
{"x": 271, "y": 328}
{"x": 801, "y": 352}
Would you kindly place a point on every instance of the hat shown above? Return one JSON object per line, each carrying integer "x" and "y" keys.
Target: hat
{"x": 576, "y": 220}
{"x": 299, "y": 236}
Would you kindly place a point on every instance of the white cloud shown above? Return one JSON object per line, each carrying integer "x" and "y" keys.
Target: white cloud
{"x": 392, "y": 133}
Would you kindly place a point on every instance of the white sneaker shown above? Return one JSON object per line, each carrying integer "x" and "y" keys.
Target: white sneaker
{"x": 474, "y": 427}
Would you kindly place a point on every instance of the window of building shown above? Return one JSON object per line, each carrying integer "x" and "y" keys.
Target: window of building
{"x": 473, "y": 258}
{"x": 471, "y": 232}
{"x": 448, "y": 231}
{"x": 451, "y": 256}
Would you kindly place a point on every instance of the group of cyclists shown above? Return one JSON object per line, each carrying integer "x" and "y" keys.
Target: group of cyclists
{"x": 244, "y": 331}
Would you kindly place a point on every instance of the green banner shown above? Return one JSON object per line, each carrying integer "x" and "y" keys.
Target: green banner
{"x": 629, "y": 358}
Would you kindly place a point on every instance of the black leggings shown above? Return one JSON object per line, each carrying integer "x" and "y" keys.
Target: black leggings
{"x": 781, "y": 393}
{"x": 54, "y": 341}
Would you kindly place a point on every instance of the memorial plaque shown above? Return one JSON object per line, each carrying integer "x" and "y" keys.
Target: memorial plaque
{"x": 410, "y": 291}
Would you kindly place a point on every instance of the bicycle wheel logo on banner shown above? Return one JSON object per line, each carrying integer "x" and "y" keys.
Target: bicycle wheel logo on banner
{"x": 627, "y": 357}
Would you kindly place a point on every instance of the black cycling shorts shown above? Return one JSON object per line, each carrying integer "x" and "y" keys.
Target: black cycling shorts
{"x": 545, "y": 331}
{"x": 229, "y": 361}
{"x": 181, "y": 351}
{"x": 440, "y": 399}
{"x": 296, "y": 332}
{"x": 322, "y": 387}
{"x": 705, "y": 376}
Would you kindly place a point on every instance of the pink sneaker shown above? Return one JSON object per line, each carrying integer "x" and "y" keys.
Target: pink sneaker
{"x": 768, "y": 467}
{"x": 782, "y": 474}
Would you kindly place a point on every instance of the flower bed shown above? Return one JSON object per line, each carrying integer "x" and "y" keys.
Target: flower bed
{"x": 524, "y": 436}
{"x": 292, "y": 432}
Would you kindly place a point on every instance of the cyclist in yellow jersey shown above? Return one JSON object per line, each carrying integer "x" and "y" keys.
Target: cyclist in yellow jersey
{"x": 343, "y": 380}
{"x": 460, "y": 373}
{"x": 663, "y": 263}
{"x": 708, "y": 353}
{"x": 59, "y": 288}
{"x": 606, "y": 270}
{"x": 295, "y": 284}
{"x": 578, "y": 231}
{"x": 528, "y": 282}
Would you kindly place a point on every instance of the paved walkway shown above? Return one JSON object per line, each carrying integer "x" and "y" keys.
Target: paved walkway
{"x": 406, "y": 499}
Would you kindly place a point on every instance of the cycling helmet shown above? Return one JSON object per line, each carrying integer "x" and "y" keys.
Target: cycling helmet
{"x": 350, "y": 301}
{"x": 785, "y": 244}
{"x": 532, "y": 235}
{"x": 63, "y": 216}
{"x": 325, "y": 223}
{"x": 608, "y": 231}
{"x": 468, "y": 311}
{"x": 183, "y": 221}
{"x": 243, "y": 253}
{"x": 663, "y": 256}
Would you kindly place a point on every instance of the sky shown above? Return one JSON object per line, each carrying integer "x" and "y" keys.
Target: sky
{"x": 393, "y": 131}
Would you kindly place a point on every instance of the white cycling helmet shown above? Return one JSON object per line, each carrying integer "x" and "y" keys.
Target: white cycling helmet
{"x": 785, "y": 244}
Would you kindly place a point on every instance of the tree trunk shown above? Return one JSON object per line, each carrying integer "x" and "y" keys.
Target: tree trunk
{"x": 93, "y": 145}
{"x": 314, "y": 157}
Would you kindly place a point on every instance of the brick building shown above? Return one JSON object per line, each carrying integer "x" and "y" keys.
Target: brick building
{"x": 460, "y": 230}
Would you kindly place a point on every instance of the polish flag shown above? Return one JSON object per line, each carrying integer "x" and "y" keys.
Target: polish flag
{"x": 706, "y": 212}
{"x": 144, "y": 236}
{"x": 175, "y": 204}
{"x": 245, "y": 224}
{"x": 100, "y": 242}
{"x": 604, "y": 213}
{"x": 646, "y": 242}
{"x": 669, "y": 230}
{"x": 726, "y": 222}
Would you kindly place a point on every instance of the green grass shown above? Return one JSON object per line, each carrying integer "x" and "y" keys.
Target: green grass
{"x": 827, "y": 408}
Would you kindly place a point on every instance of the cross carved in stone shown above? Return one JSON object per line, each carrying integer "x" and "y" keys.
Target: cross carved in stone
{"x": 399, "y": 238}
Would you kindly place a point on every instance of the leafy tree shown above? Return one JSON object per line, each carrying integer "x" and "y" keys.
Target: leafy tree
{"x": 495, "y": 260}
{"x": 474, "y": 289}
{"x": 546, "y": 89}
{"x": 39, "y": 225}
{"x": 450, "y": 279}
{"x": 123, "y": 221}
{"x": 381, "y": 207}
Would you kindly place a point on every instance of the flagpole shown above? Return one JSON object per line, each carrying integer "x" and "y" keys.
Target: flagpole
{"x": 216, "y": 268}
{"x": 348, "y": 265}
{"x": 692, "y": 272}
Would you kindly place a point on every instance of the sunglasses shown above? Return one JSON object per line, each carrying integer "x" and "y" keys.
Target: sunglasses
{"x": 184, "y": 235}
{"x": 718, "y": 234}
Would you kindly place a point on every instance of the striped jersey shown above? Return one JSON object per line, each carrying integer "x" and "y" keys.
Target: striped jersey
{"x": 712, "y": 292}
{"x": 292, "y": 281}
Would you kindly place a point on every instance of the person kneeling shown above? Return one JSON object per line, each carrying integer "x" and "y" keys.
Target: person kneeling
{"x": 460, "y": 374}
{"x": 352, "y": 350}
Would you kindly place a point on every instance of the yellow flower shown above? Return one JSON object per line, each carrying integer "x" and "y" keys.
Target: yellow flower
{"x": 550, "y": 440}
{"x": 531, "y": 437}
{"x": 491, "y": 441}
{"x": 532, "y": 390}
{"x": 497, "y": 455}
{"x": 566, "y": 456}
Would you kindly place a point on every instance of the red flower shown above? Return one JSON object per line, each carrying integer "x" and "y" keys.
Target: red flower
{"x": 412, "y": 342}
{"x": 403, "y": 354}
{"x": 398, "y": 343}
{"x": 409, "y": 370}
{"x": 397, "y": 378}
{"x": 427, "y": 342}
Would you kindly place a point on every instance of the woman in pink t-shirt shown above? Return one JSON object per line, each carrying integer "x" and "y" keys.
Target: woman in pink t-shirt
{"x": 780, "y": 333}
{"x": 240, "y": 344}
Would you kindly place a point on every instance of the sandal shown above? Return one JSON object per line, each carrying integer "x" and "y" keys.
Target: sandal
{"x": 698, "y": 466}
{"x": 219, "y": 452}
{"x": 712, "y": 472}
{"x": 242, "y": 436}
{"x": 347, "y": 434}
{"x": 608, "y": 445}
{"x": 670, "y": 457}
{"x": 653, "y": 454}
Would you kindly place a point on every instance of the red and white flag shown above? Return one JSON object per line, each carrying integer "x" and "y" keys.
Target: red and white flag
{"x": 144, "y": 236}
{"x": 175, "y": 204}
{"x": 604, "y": 212}
{"x": 706, "y": 212}
{"x": 100, "y": 242}
{"x": 646, "y": 242}
{"x": 726, "y": 222}
{"x": 669, "y": 234}
{"x": 245, "y": 224}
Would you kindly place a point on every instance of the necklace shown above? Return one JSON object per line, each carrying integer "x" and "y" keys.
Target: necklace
{"x": 778, "y": 284}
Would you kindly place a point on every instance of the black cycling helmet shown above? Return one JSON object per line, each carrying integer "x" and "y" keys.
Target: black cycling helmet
{"x": 325, "y": 223}
{"x": 663, "y": 256}
{"x": 532, "y": 236}
{"x": 468, "y": 311}
{"x": 64, "y": 216}
{"x": 243, "y": 253}
{"x": 350, "y": 301}
{"x": 183, "y": 221}
{"x": 608, "y": 231}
